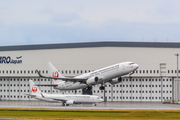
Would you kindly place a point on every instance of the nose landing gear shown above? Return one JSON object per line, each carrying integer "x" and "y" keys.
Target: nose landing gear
{"x": 131, "y": 73}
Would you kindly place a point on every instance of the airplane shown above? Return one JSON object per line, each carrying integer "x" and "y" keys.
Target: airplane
{"x": 66, "y": 100}
{"x": 112, "y": 74}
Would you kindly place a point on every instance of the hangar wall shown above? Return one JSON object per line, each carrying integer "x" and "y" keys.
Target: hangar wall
{"x": 153, "y": 81}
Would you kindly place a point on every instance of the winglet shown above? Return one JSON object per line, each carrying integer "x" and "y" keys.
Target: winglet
{"x": 39, "y": 73}
{"x": 42, "y": 95}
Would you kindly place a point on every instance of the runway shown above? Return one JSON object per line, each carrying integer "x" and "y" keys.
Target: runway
{"x": 103, "y": 105}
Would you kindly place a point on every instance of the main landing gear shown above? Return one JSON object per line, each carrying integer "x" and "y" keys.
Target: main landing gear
{"x": 64, "y": 104}
{"x": 88, "y": 88}
{"x": 102, "y": 86}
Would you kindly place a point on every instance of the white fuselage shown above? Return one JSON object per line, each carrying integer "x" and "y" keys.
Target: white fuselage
{"x": 64, "y": 98}
{"x": 105, "y": 74}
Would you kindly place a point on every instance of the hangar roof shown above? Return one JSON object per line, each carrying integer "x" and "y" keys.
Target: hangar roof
{"x": 91, "y": 44}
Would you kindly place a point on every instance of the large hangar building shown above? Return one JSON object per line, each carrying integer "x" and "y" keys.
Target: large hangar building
{"x": 154, "y": 80}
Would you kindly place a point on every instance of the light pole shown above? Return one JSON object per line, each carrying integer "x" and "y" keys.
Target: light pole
{"x": 177, "y": 79}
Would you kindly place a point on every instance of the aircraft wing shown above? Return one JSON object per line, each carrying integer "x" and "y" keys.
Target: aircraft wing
{"x": 57, "y": 99}
{"x": 60, "y": 100}
{"x": 81, "y": 80}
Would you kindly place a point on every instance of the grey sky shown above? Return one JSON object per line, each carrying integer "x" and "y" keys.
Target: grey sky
{"x": 64, "y": 21}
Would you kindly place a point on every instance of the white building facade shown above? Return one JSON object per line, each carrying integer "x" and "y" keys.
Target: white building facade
{"x": 155, "y": 79}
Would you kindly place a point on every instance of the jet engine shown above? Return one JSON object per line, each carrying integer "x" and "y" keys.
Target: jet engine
{"x": 92, "y": 80}
{"x": 70, "y": 102}
{"x": 116, "y": 80}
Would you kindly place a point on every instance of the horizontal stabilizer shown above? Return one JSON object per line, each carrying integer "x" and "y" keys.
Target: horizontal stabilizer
{"x": 39, "y": 73}
{"x": 81, "y": 80}
{"x": 30, "y": 95}
{"x": 54, "y": 85}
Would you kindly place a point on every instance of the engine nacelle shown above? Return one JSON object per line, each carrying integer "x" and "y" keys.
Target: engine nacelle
{"x": 116, "y": 80}
{"x": 92, "y": 80}
{"x": 70, "y": 102}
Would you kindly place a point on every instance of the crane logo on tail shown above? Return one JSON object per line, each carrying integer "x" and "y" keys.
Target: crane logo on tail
{"x": 55, "y": 74}
{"x": 34, "y": 89}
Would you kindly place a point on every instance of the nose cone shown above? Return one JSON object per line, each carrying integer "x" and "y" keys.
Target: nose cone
{"x": 136, "y": 66}
{"x": 101, "y": 100}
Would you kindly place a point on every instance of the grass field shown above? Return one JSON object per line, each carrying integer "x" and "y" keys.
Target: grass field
{"x": 79, "y": 114}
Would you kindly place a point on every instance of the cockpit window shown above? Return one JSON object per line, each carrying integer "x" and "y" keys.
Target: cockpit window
{"x": 98, "y": 97}
{"x": 130, "y": 63}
